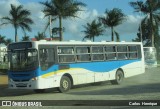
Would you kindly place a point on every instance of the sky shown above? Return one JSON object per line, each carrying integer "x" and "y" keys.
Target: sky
{"x": 74, "y": 26}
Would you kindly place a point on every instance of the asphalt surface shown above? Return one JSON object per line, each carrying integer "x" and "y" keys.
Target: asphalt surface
{"x": 142, "y": 87}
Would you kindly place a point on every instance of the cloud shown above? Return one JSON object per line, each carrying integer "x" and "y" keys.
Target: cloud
{"x": 5, "y": 6}
{"x": 36, "y": 15}
{"x": 130, "y": 25}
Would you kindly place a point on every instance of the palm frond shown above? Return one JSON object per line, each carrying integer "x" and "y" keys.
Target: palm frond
{"x": 49, "y": 8}
{"x": 8, "y": 41}
{"x": 25, "y": 26}
{"x": 113, "y": 17}
{"x": 6, "y": 20}
{"x": 2, "y": 39}
{"x": 93, "y": 29}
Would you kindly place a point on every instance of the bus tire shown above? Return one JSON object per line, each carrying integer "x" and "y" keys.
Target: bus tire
{"x": 119, "y": 78}
{"x": 65, "y": 84}
{"x": 39, "y": 90}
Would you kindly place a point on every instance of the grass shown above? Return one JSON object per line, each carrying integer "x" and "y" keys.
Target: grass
{"x": 3, "y": 68}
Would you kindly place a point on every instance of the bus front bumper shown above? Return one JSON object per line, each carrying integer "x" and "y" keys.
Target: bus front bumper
{"x": 31, "y": 84}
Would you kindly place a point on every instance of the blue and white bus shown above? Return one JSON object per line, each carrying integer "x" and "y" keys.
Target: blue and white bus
{"x": 40, "y": 65}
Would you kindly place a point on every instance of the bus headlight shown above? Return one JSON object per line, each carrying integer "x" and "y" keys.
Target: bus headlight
{"x": 33, "y": 79}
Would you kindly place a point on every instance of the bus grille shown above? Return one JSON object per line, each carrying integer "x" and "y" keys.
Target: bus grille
{"x": 21, "y": 85}
{"x": 16, "y": 80}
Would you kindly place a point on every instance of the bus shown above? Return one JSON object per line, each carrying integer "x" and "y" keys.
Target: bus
{"x": 150, "y": 56}
{"x": 40, "y": 65}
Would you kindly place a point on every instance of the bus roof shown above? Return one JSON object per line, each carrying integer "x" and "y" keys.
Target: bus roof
{"x": 81, "y": 42}
{"x": 35, "y": 44}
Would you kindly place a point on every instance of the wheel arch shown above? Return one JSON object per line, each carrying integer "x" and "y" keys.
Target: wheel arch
{"x": 122, "y": 71}
{"x": 70, "y": 77}
{"x": 119, "y": 75}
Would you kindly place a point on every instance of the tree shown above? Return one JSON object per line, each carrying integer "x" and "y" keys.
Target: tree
{"x": 93, "y": 29}
{"x": 8, "y": 41}
{"x": 150, "y": 8}
{"x": 2, "y": 39}
{"x": 25, "y": 38}
{"x": 112, "y": 19}
{"x": 19, "y": 17}
{"x": 40, "y": 36}
{"x": 62, "y": 9}
{"x": 145, "y": 29}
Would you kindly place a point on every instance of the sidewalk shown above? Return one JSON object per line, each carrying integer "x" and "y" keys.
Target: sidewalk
{"x": 3, "y": 80}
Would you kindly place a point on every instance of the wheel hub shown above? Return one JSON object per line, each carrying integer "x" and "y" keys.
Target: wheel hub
{"x": 65, "y": 84}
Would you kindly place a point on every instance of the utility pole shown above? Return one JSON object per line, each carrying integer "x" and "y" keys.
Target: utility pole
{"x": 50, "y": 26}
{"x": 141, "y": 26}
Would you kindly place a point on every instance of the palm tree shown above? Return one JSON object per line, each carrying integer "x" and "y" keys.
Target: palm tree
{"x": 62, "y": 9}
{"x": 25, "y": 38}
{"x": 2, "y": 39}
{"x": 93, "y": 29}
{"x": 19, "y": 17}
{"x": 151, "y": 9}
{"x": 40, "y": 36}
{"x": 112, "y": 19}
{"x": 8, "y": 41}
{"x": 145, "y": 29}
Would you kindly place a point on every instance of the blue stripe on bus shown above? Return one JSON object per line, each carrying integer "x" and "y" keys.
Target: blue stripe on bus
{"x": 98, "y": 67}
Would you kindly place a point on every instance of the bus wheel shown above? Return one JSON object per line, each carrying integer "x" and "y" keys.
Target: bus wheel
{"x": 119, "y": 77}
{"x": 65, "y": 84}
{"x": 39, "y": 90}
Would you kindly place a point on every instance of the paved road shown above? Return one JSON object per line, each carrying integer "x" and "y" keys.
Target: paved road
{"x": 143, "y": 87}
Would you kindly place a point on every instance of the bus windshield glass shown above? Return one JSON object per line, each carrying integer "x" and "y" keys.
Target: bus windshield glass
{"x": 23, "y": 60}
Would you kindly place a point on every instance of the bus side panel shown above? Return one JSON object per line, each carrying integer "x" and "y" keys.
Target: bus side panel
{"x": 133, "y": 69}
{"x": 49, "y": 82}
{"x": 82, "y": 73}
{"x": 112, "y": 74}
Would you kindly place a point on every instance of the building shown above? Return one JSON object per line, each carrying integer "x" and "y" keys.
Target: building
{"x": 3, "y": 53}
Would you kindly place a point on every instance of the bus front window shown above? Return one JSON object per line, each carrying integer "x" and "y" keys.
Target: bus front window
{"x": 22, "y": 60}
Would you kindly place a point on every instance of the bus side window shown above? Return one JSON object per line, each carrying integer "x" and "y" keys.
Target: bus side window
{"x": 111, "y": 56}
{"x": 83, "y": 54}
{"x": 66, "y": 54}
{"x": 139, "y": 52}
{"x": 132, "y": 50}
{"x": 111, "y": 52}
{"x": 122, "y": 52}
{"x": 97, "y": 53}
{"x": 46, "y": 58}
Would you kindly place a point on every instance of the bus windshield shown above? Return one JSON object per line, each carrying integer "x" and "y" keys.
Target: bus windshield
{"x": 23, "y": 60}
